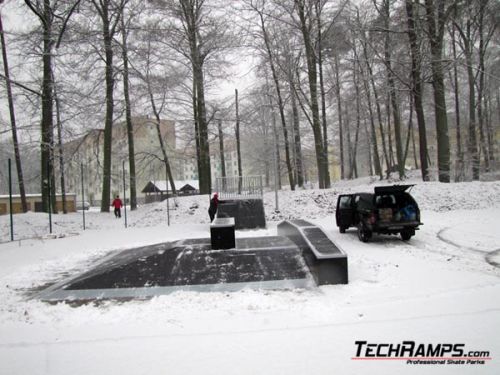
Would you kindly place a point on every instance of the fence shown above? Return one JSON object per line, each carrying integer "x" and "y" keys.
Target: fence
{"x": 236, "y": 187}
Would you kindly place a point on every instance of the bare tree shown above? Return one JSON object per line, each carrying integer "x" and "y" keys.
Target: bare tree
{"x": 376, "y": 96}
{"x": 110, "y": 12}
{"x": 237, "y": 135}
{"x": 384, "y": 11}
{"x": 459, "y": 166}
{"x": 339, "y": 114}
{"x": 128, "y": 113}
{"x": 416, "y": 87}
{"x": 157, "y": 87}
{"x": 304, "y": 11}
{"x": 486, "y": 29}
{"x": 318, "y": 6}
{"x": 60, "y": 149}
{"x": 436, "y": 18}
{"x": 466, "y": 34}
{"x": 276, "y": 80}
{"x": 52, "y": 16}
{"x": 221, "y": 148}
{"x": 372, "y": 133}
{"x": 296, "y": 122}
{"x": 12, "y": 113}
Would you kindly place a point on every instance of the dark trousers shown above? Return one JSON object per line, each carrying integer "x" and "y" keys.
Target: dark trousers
{"x": 118, "y": 212}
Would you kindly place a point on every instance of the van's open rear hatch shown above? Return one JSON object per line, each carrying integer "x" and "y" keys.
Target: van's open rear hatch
{"x": 391, "y": 189}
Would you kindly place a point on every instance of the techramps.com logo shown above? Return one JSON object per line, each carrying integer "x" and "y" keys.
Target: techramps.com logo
{"x": 420, "y": 353}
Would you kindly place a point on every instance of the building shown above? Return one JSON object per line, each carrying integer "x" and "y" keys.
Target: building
{"x": 88, "y": 150}
{"x": 189, "y": 168}
{"x": 34, "y": 202}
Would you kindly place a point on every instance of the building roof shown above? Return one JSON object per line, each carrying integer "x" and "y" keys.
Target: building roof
{"x": 161, "y": 185}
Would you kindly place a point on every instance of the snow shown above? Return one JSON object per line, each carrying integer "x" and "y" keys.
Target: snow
{"x": 437, "y": 288}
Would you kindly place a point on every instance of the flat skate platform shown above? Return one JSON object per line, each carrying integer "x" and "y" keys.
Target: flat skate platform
{"x": 270, "y": 262}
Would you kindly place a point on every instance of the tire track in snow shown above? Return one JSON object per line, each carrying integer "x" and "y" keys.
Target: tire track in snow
{"x": 489, "y": 257}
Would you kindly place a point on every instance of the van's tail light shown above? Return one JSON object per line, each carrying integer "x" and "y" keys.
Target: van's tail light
{"x": 372, "y": 219}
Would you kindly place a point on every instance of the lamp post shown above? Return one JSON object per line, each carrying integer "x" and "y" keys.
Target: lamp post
{"x": 10, "y": 203}
{"x": 275, "y": 160}
{"x": 83, "y": 196}
{"x": 166, "y": 185}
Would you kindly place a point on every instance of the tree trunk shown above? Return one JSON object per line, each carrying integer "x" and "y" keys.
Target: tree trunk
{"x": 312, "y": 75}
{"x": 296, "y": 132}
{"x": 266, "y": 145}
{"x": 410, "y": 131}
{"x": 163, "y": 146}
{"x": 323, "y": 100}
{"x": 377, "y": 104}
{"x": 416, "y": 88}
{"x": 47, "y": 126}
{"x": 482, "y": 137}
{"x": 45, "y": 11}
{"x": 414, "y": 148}
{"x": 372, "y": 134}
{"x": 472, "y": 145}
{"x": 349, "y": 143}
{"x": 481, "y": 88}
{"x": 238, "y": 146}
{"x": 277, "y": 170}
{"x": 60, "y": 151}
{"x": 221, "y": 148}
{"x": 489, "y": 130}
{"x": 368, "y": 147}
{"x": 280, "y": 102}
{"x": 435, "y": 25}
{"x": 355, "y": 149}
{"x": 358, "y": 122}
{"x": 128, "y": 118}
{"x": 191, "y": 15}
{"x": 339, "y": 113}
{"x": 205, "y": 179}
{"x": 196, "y": 128}
{"x": 389, "y": 133}
{"x": 108, "y": 124}
{"x": 392, "y": 93}
{"x": 459, "y": 169}
{"x": 12, "y": 113}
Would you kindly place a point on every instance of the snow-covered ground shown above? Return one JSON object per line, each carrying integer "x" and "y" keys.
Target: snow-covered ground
{"x": 443, "y": 286}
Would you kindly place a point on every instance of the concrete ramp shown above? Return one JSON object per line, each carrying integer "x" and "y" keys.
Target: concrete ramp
{"x": 189, "y": 265}
{"x": 326, "y": 261}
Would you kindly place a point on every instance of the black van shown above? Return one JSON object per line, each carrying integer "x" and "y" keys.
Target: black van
{"x": 391, "y": 210}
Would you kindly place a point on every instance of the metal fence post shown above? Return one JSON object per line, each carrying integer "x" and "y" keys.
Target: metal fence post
{"x": 49, "y": 188}
{"x": 124, "y": 194}
{"x": 168, "y": 202}
{"x": 10, "y": 203}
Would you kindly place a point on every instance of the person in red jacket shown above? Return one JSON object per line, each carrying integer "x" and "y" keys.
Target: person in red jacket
{"x": 117, "y": 204}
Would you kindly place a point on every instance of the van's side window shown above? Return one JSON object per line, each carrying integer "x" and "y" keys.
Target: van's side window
{"x": 345, "y": 202}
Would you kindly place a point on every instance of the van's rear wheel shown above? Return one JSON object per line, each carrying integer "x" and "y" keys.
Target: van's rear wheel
{"x": 342, "y": 229}
{"x": 363, "y": 234}
{"x": 406, "y": 235}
